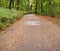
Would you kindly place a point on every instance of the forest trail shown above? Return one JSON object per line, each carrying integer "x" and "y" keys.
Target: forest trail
{"x": 31, "y": 34}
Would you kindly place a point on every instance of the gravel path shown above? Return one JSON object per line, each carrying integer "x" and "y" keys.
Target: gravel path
{"x": 31, "y": 34}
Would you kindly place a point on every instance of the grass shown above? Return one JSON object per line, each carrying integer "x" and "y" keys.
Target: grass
{"x": 7, "y": 17}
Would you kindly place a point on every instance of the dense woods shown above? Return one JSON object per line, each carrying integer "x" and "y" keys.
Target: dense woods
{"x": 44, "y": 7}
{"x": 9, "y": 9}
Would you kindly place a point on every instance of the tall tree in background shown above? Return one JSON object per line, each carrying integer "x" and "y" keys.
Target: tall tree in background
{"x": 51, "y": 8}
{"x": 36, "y": 1}
{"x": 13, "y": 3}
{"x": 18, "y": 1}
{"x": 10, "y": 4}
{"x": 28, "y": 4}
{"x": 41, "y": 6}
{"x": 0, "y": 2}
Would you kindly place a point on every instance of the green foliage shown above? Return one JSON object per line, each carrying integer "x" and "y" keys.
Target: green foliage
{"x": 7, "y": 17}
{"x": 42, "y": 7}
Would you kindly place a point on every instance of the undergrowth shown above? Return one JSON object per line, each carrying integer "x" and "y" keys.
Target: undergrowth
{"x": 7, "y": 17}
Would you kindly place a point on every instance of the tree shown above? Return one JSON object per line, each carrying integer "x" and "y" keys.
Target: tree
{"x": 42, "y": 6}
{"x": 10, "y": 4}
{"x": 36, "y": 4}
{"x": 0, "y": 2}
{"x": 13, "y": 3}
{"x": 51, "y": 8}
{"x": 18, "y": 4}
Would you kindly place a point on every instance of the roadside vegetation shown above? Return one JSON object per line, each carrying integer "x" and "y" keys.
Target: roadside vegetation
{"x": 7, "y": 17}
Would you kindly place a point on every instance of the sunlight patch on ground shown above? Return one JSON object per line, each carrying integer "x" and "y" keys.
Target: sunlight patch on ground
{"x": 33, "y": 23}
{"x": 30, "y": 15}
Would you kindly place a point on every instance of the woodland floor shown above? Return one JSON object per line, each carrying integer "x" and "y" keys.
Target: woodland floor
{"x": 31, "y": 33}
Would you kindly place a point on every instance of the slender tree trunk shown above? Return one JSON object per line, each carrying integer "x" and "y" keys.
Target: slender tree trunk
{"x": 13, "y": 4}
{"x": 18, "y": 4}
{"x": 10, "y": 4}
{"x": 51, "y": 8}
{"x": 31, "y": 7}
{"x": 41, "y": 7}
{"x": 36, "y": 6}
{"x": 28, "y": 7}
{"x": 0, "y": 2}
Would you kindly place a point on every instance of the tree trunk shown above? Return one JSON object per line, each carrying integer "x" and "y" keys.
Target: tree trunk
{"x": 36, "y": 6}
{"x": 10, "y": 4}
{"x": 51, "y": 8}
{"x": 17, "y": 4}
{"x": 0, "y": 2}
{"x": 42, "y": 9}
{"x": 13, "y": 4}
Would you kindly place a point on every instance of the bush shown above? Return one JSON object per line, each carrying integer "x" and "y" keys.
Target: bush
{"x": 8, "y": 17}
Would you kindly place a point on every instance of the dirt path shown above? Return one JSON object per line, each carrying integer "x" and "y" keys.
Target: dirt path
{"x": 31, "y": 34}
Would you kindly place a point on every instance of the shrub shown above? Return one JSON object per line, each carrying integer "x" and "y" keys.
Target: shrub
{"x": 8, "y": 17}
